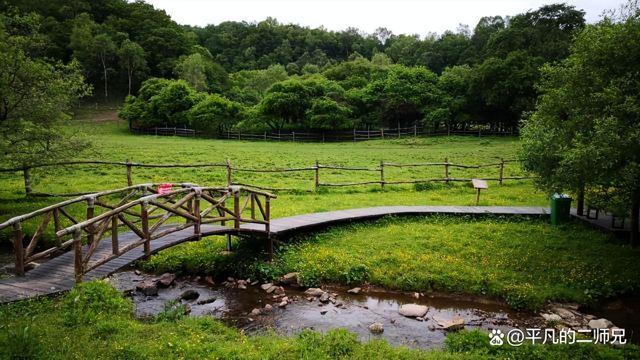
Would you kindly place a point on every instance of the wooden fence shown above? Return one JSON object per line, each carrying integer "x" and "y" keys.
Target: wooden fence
{"x": 316, "y": 169}
{"x": 330, "y": 136}
{"x": 361, "y": 135}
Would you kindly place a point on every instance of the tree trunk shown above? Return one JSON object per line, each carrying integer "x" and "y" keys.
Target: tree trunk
{"x": 104, "y": 70}
{"x": 130, "y": 75}
{"x": 635, "y": 214}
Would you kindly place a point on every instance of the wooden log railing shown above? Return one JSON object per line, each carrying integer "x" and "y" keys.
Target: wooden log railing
{"x": 140, "y": 209}
{"x": 314, "y": 170}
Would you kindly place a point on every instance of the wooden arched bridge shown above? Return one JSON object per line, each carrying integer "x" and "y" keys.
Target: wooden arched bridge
{"x": 121, "y": 226}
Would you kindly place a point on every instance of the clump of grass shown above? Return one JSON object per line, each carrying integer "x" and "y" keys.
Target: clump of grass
{"x": 90, "y": 302}
{"x": 173, "y": 311}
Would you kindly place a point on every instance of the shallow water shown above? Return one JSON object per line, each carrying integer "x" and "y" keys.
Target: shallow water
{"x": 355, "y": 312}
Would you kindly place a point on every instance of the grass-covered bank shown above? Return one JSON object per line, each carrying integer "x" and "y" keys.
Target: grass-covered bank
{"x": 527, "y": 262}
{"x": 95, "y": 321}
{"x": 113, "y": 142}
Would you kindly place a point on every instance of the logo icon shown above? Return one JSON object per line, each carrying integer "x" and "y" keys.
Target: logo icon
{"x": 496, "y": 337}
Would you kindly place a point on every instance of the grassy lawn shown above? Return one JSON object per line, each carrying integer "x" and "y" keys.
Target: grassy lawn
{"x": 112, "y": 141}
{"x": 94, "y": 321}
{"x": 526, "y": 262}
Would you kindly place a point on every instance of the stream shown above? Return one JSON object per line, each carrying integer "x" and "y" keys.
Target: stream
{"x": 355, "y": 312}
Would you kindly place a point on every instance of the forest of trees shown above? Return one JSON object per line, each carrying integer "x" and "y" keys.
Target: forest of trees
{"x": 269, "y": 75}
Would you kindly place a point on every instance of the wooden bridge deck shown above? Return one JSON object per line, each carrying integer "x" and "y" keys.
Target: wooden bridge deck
{"x": 57, "y": 275}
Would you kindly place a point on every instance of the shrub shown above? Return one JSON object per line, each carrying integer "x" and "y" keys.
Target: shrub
{"x": 172, "y": 312}
{"x": 92, "y": 301}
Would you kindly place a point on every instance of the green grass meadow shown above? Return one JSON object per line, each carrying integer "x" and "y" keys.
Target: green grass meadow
{"x": 525, "y": 262}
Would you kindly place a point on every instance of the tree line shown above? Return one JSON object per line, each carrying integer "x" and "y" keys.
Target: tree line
{"x": 279, "y": 76}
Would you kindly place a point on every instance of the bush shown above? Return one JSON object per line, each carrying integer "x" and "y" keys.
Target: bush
{"x": 89, "y": 302}
{"x": 172, "y": 312}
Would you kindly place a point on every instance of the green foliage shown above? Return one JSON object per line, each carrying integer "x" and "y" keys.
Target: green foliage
{"x": 585, "y": 130}
{"x": 214, "y": 114}
{"x": 161, "y": 102}
{"x": 90, "y": 302}
{"x": 37, "y": 95}
{"x": 173, "y": 311}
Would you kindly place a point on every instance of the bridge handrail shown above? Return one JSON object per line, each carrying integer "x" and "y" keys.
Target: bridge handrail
{"x": 181, "y": 203}
{"x": 81, "y": 198}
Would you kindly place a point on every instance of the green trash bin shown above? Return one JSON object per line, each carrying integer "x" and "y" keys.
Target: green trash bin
{"x": 560, "y": 208}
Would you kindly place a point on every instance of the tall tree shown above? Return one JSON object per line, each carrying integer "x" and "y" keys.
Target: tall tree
{"x": 131, "y": 56}
{"x": 585, "y": 131}
{"x": 104, "y": 49}
{"x": 35, "y": 96}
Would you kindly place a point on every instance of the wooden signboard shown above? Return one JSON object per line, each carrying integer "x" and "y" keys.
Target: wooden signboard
{"x": 478, "y": 185}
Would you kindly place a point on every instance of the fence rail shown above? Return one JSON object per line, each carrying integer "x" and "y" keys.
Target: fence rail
{"x": 316, "y": 169}
{"x": 361, "y": 135}
{"x": 330, "y": 135}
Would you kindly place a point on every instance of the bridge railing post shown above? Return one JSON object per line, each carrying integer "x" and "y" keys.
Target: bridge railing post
{"x": 144, "y": 218}
{"x": 115, "y": 246}
{"x": 236, "y": 208}
{"x": 18, "y": 248}
{"x": 90, "y": 213}
{"x": 196, "y": 213}
{"x": 77, "y": 248}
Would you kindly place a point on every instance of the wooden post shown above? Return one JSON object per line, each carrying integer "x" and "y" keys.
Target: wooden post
{"x": 478, "y": 197}
{"x": 196, "y": 212}
{"x": 129, "y": 175}
{"x": 580, "y": 201}
{"x": 265, "y": 136}
{"x": 90, "y": 214}
{"x": 415, "y": 130}
{"x": 26, "y": 172}
{"x": 253, "y": 206}
{"x": 381, "y": 174}
{"x": 77, "y": 253}
{"x": 18, "y": 248}
{"x": 382, "y": 133}
{"x": 293, "y": 136}
{"x": 144, "y": 218}
{"x": 323, "y": 136}
{"x": 317, "y": 182}
{"x": 56, "y": 225}
{"x": 115, "y": 246}
{"x": 354, "y": 134}
{"x": 267, "y": 226}
{"x": 229, "y": 173}
{"x": 446, "y": 170}
{"x": 236, "y": 209}
{"x": 501, "y": 170}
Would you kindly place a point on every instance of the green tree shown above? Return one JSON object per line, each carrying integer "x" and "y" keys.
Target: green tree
{"x": 131, "y": 56}
{"x": 585, "y": 131}
{"x": 214, "y": 114}
{"x": 104, "y": 49}
{"x": 36, "y": 95}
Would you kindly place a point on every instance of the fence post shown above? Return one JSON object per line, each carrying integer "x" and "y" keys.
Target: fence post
{"x": 129, "y": 175}
{"x": 317, "y": 183}
{"x": 446, "y": 170}
{"x": 354, "y": 134}
{"x": 144, "y": 218}
{"x": 77, "y": 249}
{"x": 229, "y": 173}
{"x": 382, "y": 174}
{"x": 18, "y": 248}
{"x": 501, "y": 170}
{"x": 293, "y": 136}
{"x": 265, "y": 136}
{"x": 90, "y": 213}
{"x": 26, "y": 172}
{"x": 415, "y": 130}
{"x": 323, "y": 136}
{"x": 382, "y": 133}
